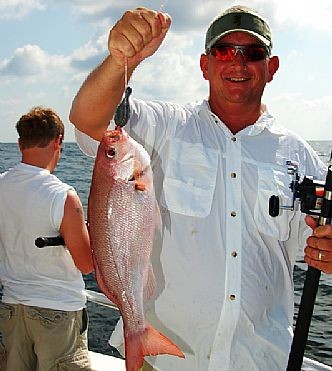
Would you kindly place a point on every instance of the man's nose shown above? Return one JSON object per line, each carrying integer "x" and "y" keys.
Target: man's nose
{"x": 239, "y": 58}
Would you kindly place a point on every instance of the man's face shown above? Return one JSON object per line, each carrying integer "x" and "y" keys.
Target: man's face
{"x": 237, "y": 81}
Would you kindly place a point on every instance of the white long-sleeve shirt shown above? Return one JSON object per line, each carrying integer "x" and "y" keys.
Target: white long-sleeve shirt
{"x": 223, "y": 265}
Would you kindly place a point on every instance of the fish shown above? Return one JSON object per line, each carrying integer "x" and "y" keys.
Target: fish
{"x": 122, "y": 218}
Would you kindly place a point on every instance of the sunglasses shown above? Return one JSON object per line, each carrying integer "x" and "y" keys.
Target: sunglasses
{"x": 250, "y": 53}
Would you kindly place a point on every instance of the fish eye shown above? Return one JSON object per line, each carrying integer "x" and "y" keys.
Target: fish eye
{"x": 110, "y": 152}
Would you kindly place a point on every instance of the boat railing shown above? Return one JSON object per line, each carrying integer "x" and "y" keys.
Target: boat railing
{"x": 99, "y": 298}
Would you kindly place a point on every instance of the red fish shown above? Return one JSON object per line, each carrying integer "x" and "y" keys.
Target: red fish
{"x": 122, "y": 217}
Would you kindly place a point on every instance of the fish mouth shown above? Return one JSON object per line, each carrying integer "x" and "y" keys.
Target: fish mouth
{"x": 112, "y": 136}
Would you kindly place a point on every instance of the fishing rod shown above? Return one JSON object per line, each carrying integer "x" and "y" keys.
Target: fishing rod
{"x": 315, "y": 199}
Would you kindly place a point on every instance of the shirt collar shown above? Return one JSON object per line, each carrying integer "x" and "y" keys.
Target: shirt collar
{"x": 265, "y": 121}
{"x": 31, "y": 169}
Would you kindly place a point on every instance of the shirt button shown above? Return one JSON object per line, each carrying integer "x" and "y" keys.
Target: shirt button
{"x": 232, "y": 297}
{"x": 234, "y": 254}
{"x": 233, "y": 213}
{"x": 163, "y": 210}
{"x": 233, "y": 175}
{"x": 233, "y": 139}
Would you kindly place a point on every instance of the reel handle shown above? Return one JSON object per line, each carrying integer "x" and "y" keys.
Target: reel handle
{"x": 41, "y": 242}
{"x": 274, "y": 206}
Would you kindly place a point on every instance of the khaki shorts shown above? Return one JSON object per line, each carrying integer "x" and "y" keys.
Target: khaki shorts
{"x": 41, "y": 339}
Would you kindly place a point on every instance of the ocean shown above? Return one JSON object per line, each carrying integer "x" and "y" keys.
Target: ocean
{"x": 76, "y": 169}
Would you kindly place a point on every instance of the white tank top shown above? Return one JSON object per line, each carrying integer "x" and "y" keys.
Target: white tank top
{"x": 32, "y": 205}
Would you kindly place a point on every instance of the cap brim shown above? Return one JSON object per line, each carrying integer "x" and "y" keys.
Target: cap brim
{"x": 261, "y": 38}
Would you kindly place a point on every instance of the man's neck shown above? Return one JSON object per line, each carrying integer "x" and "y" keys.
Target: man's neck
{"x": 237, "y": 117}
{"x": 39, "y": 158}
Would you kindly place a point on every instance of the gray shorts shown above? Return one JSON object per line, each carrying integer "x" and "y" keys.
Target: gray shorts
{"x": 42, "y": 339}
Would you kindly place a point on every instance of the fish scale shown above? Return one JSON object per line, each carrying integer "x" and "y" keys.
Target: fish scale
{"x": 122, "y": 217}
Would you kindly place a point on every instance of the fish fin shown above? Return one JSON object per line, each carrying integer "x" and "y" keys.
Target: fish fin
{"x": 150, "y": 283}
{"x": 148, "y": 342}
{"x": 140, "y": 186}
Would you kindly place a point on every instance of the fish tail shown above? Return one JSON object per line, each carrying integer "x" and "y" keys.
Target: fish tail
{"x": 149, "y": 342}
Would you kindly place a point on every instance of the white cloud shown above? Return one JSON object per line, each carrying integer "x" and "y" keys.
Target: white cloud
{"x": 316, "y": 15}
{"x": 311, "y": 118}
{"x": 171, "y": 74}
{"x": 17, "y": 9}
{"x": 198, "y": 14}
{"x": 87, "y": 56}
{"x": 31, "y": 61}
{"x": 171, "y": 77}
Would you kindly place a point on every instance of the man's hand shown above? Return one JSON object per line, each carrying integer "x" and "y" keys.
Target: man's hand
{"x": 137, "y": 35}
{"x": 318, "y": 252}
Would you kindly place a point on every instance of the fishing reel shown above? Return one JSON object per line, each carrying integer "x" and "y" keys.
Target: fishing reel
{"x": 315, "y": 198}
{"x": 309, "y": 193}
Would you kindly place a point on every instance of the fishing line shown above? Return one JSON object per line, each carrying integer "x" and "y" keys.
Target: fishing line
{"x": 163, "y": 5}
{"x": 126, "y": 72}
{"x": 122, "y": 112}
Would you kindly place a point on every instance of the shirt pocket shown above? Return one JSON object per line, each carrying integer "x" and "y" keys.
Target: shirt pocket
{"x": 6, "y": 312}
{"x": 273, "y": 181}
{"x": 190, "y": 179}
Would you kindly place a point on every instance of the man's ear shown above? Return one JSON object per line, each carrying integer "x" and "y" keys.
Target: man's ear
{"x": 204, "y": 63}
{"x": 58, "y": 141}
{"x": 273, "y": 66}
{"x": 19, "y": 144}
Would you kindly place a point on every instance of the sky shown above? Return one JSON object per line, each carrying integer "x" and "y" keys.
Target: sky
{"x": 48, "y": 47}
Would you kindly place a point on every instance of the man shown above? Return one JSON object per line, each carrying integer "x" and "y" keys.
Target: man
{"x": 224, "y": 266}
{"x": 43, "y": 319}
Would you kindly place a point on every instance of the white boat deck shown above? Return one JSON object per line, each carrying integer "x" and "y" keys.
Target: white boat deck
{"x": 102, "y": 362}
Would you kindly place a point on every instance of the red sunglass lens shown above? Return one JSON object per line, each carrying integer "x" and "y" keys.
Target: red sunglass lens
{"x": 223, "y": 52}
{"x": 251, "y": 53}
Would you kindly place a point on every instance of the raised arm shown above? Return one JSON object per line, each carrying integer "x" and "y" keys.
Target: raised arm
{"x": 75, "y": 233}
{"x": 136, "y": 36}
